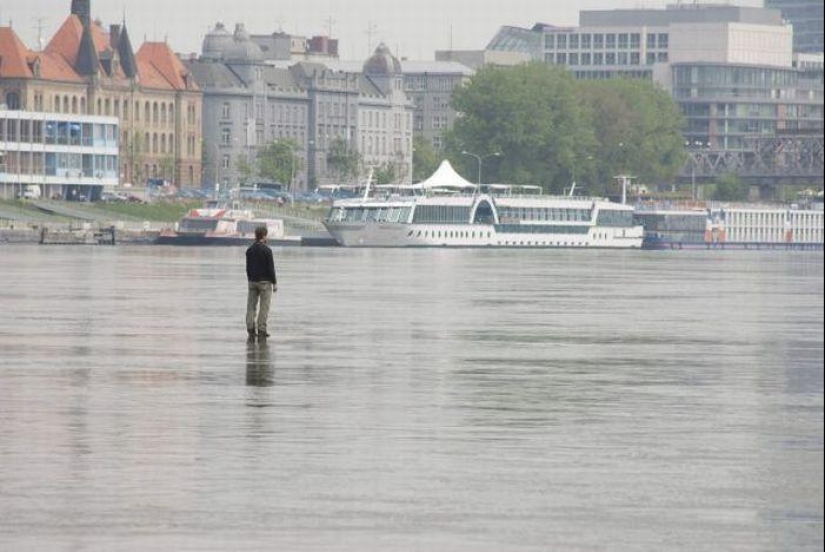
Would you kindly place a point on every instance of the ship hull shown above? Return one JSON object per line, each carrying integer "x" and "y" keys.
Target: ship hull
{"x": 475, "y": 235}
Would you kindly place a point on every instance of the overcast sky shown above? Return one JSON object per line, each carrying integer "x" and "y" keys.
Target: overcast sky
{"x": 413, "y": 29}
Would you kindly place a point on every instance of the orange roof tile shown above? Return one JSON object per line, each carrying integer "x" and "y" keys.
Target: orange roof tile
{"x": 66, "y": 41}
{"x": 160, "y": 68}
{"x": 55, "y": 67}
{"x": 13, "y": 56}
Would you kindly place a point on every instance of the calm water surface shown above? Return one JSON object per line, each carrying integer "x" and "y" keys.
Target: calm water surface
{"x": 411, "y": 400}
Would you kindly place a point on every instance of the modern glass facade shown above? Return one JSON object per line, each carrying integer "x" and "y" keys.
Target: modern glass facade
{"x": 70, "y": 156}
{"x": 806, "y": 16}
{"x": 724, "y": 104}
{"x": 602, "y": 55}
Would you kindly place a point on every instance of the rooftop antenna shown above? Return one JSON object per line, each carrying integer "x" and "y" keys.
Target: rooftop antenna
{"x": 371, "y": 31}
{"x": 329, "y": 23}
{"x": 39, "y": 26}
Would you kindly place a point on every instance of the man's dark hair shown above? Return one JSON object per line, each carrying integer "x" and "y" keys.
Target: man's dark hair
{"x": 260, "y": 233}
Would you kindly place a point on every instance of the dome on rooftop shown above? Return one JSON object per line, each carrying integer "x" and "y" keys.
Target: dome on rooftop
{"x": 242, "y": 48}
{"x": 382, "y": 62}
{"x": 216, "y": 42}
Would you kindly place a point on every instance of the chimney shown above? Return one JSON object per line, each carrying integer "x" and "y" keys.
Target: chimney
{"x": 83, "y": 10}
{"x": 114, "y": 36}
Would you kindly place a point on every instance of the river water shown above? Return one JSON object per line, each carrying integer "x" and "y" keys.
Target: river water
{"x": 456, "y": 400}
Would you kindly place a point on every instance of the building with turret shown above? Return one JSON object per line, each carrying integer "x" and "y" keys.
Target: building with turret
{"x": 86, "y": 69}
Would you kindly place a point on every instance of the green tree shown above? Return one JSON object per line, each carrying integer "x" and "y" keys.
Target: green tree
{"x": 730, "y": 188}
{"x": 385, "y": 173}
{"x": 246, "y": 169}
{"x": 278, "y": 161}
{"x": 531, "y": 115}
{"x": 167, "y": 168}
{"x": 425, "y": 158}
{"x": 637, "y": 127}
{"x": 342, "y": 161}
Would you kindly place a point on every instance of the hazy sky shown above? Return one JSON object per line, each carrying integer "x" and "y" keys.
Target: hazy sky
{"x": 415, "y": 29}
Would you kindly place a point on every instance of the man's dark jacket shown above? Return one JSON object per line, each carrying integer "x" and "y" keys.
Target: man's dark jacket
{"x": 260, "y": 266}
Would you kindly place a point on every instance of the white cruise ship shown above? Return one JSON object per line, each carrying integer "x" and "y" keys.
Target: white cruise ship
{"x": 448, "y": 211}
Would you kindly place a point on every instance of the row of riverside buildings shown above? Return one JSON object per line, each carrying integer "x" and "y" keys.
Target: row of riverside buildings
{"x": 738, "y": 74}
{"x": 193, "y": 120}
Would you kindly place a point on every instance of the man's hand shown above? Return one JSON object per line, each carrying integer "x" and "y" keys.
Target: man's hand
{"x": 274, "y": 288}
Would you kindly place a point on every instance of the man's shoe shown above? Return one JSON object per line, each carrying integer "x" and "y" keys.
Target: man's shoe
{"x": 263, "y": 335}
{"x": 252, "y": 335}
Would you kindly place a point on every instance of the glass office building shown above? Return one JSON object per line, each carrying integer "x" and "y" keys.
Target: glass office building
{"x": 806, "y": 16}
{"x": 725, "y": 105}
{"x": 71, "y": 156}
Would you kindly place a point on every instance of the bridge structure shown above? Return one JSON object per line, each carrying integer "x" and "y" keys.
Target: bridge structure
{"x": 766, "y": 161}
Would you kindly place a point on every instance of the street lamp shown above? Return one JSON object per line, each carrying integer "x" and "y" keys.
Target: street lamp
{"x": 690, "y": 146}
{"x": 480, "y": 159}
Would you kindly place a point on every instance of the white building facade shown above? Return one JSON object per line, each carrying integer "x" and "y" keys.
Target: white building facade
{"x": 52, "y": 155}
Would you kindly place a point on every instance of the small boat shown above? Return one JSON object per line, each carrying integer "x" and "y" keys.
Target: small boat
{"x": 219, "y": 226}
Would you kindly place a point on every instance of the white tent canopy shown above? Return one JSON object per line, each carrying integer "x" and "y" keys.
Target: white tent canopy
{"x": 445, "y": 177}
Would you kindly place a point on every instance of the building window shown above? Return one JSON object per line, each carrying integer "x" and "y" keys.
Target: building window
{"x": 586, "y": 41}
{"x": 549, "y": 42}
{"x": 226, "y": 136}
{"x": 13, "y": 101}
{"x": 635, "y": 41}
{"x": 610, "y": 58}
{"x": 598, "y": 58}
{"x": 623, "y": 40}
{"x": 225, "y": 111}
{"x": 561, "y": 59}
{"x": 663, "y": 42}
{"x": 598, "y": 41}
{"x": 610, "y": 41}
{"x": 574, "y": 59}
{"x": 651, "y": 40}
{"x": 225, "y": 162}
{"x": 562, "y": 42}
{"x": 574, "y": 42}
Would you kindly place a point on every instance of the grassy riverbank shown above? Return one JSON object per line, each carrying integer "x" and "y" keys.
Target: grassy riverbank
{"x": 61, "y": 211}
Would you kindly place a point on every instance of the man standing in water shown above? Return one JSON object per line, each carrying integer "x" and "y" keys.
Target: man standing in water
{"x": 260, "y": 273}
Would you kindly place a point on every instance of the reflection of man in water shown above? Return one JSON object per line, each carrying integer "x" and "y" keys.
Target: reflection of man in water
{"x": 260, "y": 273}
{"x": 259, "y": 370}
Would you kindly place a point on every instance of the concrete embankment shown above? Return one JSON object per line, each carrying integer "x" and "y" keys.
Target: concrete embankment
{"x": 67, "y": 235}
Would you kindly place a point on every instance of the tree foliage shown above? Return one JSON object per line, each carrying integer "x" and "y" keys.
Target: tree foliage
{"x": 552, "y": 130}
{"x": 245, "y": 168}
{"x": 530, "y": 115}
{"x": 385, "y": 173}
{"x": 343, "y": 161}
{"x": 638, "y": 130}
{"x": 425, "y": 158}
{"x": 730, "y": 188}
{"x": 278, "y": 161}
